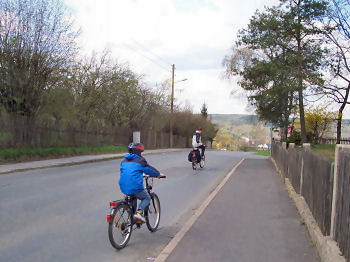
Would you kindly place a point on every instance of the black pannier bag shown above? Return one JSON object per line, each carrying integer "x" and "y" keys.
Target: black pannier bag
{"x": 197, "y": 154}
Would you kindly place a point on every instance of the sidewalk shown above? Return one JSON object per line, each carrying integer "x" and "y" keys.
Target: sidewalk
{"x": 18, "y": 167}
{"x": 251, "y": 219}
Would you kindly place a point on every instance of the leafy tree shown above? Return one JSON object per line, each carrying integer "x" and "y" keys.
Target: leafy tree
{"x": 88, "y": 78}
{"x": 265, "y": 70}
{"x": 57, "y": 105}
{"x": 185, "y": 123}
{"x": 301, "y": 24}
{"x": 107, "y": 93}
{"x": 157, "y": 107}
{"x": 224, "y": 139}
{"x": 285, "y": 58}
{"x": 271, "y": 92}
{"x": 209, "y": 130}
{"x": 204, "y": 110}
{"x": 260, "y": 134}
{"x": 318, "y": 121}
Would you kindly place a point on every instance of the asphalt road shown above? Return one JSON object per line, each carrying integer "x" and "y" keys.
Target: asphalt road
{"x": 59, "y": 214}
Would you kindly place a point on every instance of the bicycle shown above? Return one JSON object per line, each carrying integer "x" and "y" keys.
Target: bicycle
{"x": 121, "y": 217}
{"x": 194, "y": 159}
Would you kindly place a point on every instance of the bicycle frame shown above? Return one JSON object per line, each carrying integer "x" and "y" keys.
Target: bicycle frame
{"x": 128, "y": 200}
{"x": 117, "y": 223}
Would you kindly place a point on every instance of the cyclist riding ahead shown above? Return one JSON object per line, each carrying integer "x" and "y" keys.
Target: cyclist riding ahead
{"x": 197, "y": 141}
{"x": 131, "y": 178}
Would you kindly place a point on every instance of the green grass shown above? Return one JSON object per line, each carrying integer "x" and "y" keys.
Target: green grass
{"x": 22, "y": 154}
{"x": 327, "y": 151}
{"x": 261, "y": 152}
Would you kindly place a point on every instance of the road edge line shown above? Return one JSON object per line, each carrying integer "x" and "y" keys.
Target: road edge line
{"x": 179, "y": 235}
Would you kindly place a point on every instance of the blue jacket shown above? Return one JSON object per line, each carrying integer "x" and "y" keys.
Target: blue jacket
{"x": 131, "y": 173}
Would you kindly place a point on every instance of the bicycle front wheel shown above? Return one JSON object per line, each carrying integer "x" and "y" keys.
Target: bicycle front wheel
{"x": 152, "y": 213}
{"x": 120, "y": 227}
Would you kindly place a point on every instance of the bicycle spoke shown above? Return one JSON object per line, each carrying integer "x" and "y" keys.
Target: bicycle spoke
{"x": 120, "y": 229}
{"x": 153, "y": 215}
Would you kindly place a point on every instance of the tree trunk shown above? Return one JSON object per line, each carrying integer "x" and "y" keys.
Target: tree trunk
{"x": 340, "y": 114}
{"x": 302, "y": 117}
{"x": 286, "y": 132}
{"x": 300, "y": 78}
{"x": 339, "y": 120}
{"x": 286, "y": 125}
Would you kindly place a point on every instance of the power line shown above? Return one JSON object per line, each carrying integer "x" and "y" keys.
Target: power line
{"x": 152, "y": 60}
{"x": 154, "y": 54}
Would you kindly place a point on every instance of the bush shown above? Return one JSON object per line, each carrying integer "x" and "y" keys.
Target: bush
{"x": 295, "y": 137}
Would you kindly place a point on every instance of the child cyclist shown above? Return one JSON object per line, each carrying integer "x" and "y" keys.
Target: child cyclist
{"x": 131, "y": 178}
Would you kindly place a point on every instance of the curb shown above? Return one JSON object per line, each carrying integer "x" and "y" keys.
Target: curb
{"x": 162, "y": 257}
{"x": 58, "y": 165}
{"x": 327, "y": 248}
{"x": 73, "y": 163}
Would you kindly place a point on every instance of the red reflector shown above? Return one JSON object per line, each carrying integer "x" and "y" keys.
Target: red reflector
{"x": 108, "y": 218}
{"x": 113, "y": 204}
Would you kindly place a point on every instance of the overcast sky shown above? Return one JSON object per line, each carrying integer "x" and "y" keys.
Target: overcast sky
{"x": 151, "y": 35}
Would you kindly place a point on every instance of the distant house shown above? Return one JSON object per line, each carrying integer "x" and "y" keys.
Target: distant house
{"x": 246, "y": 139}
{"x": 263, "y": 147}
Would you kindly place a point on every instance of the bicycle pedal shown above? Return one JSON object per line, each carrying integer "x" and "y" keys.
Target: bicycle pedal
{"x": 137, "y": 221}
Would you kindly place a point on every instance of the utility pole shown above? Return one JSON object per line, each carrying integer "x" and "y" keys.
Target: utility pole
{"x": 172, "y": 106}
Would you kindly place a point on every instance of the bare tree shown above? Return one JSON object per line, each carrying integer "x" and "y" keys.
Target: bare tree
{"x": 36, "y": 42}
{"x": 337, "y": 32}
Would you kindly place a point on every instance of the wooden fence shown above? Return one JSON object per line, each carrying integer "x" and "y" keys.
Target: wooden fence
{"x": 20, "y": 131}
{"x": 317, "y": 188}
{"x": 315, "y": 178}
{"x": 294, "y": 165}
{"x": 345, "y": 141}
{"x": 310, "y": 175}
{"x": 342, "y": 209}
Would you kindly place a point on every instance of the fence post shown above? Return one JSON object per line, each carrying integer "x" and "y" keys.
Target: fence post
{"x": 136, "y": 137}
{"x": 335, "y": 187}
{"x": 306, "y": 146}
{"x": 271, "y": 141}
{"x": 291, "y": 145}
{"x": 284, "y": 145}
{"x": 301, "y": 176}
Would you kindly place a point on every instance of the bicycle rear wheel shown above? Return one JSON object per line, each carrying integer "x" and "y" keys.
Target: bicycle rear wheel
{"x": 202, "y": 162}
{"x": 194, "y": 165}
{"x": 152, "y": 213}
{"x": 120, "y": 227}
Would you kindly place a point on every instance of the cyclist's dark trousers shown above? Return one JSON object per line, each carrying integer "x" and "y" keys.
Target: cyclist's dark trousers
{"x": 203, "y": 149}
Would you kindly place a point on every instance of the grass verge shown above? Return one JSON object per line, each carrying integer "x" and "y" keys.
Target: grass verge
{"x": 26, "y": 154}
{"x": 327, "y": 151}
{"x": 261, "y": 152}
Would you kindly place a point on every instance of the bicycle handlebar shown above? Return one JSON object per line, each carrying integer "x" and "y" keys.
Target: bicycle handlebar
{"x": 147, "y": 176}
